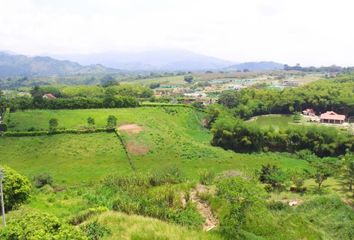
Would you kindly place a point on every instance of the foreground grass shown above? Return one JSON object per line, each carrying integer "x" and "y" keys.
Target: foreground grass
{"x": 124, "y": 226}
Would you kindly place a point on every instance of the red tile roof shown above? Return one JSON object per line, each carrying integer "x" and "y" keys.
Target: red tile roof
{"x": 330, "y": 115}
{"x": 49, "y": 96}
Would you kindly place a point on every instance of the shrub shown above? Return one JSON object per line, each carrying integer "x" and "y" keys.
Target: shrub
{"x": 3, "y": 127}
{"x": 90, "y": 121}
{"x": 242, "y": 197}
{"x": 126, "y": 204}
{"x": 111, "y": 121}
{"x": 53, "y": 124}
{"x": 171, "y": 174}
{"x": 86, "y": 214}
{"x": 42, "y": 179}
{"x": 17, "y": 188}
{"x": 33, "y": 225}
{"x": 274, "y": 176}
{"x": 187, "y": 217}
{"x": 206, "y": 177}
{"x": 94, "y": 230}
{"x": 277, "y": 206}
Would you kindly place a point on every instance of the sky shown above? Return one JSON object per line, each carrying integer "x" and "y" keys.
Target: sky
{"x": 310, "y": 32}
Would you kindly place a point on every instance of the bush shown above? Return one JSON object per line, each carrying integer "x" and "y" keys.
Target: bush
{"x": 17, "y": 188}
{"x": 206, "y": 177}
{"x": 274, "y": 176}
{"x": 111, "y": 121}
{"x": 94, "y": 230}
{"x": 171, "y": 174}
{"x": 42, "y": 179}
{"x": 53, "y": 125}
{"x": 3, "y": 127}
{"x": 188, "y": 217}
{"x": 31, "y": 225}
{"x": 127, "y": 205}
{"x": 277, "y": 206}
{"x": 86, "y": 214}
{"x": 242, "y": 198}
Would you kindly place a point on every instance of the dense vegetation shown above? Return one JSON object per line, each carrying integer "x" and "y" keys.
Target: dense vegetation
{"x": 248, "y": 137}
{"x": 326, "y": 95}
{"x": 116, "y": 96}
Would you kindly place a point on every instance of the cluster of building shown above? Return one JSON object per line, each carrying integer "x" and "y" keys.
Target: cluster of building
{"x": 327, "y": 117}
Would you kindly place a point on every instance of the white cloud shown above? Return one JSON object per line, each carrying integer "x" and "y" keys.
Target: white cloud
{"x": 307, "y": 31}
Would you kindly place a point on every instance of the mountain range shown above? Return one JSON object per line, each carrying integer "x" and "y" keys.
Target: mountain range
{"x": 114, "y": 62}
{"x": 154, "y": 60}
{"x": 256, "y": 66}
{"x": 21, "y": 65}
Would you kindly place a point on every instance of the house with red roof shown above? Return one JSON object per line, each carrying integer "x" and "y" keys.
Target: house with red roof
{"x": 332, "y": 117}
{"x": 309, "y": 112}
{"x": 49, "y": 96}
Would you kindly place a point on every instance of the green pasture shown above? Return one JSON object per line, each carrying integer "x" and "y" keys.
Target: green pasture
{"x": 162, "y": 80}
{"x": 69, "y": 159}
{"x": 273, "y": 120}
{"x": 171, "y": 136}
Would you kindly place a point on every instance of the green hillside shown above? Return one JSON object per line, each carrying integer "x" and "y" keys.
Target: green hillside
{"x": 171, "y": 136}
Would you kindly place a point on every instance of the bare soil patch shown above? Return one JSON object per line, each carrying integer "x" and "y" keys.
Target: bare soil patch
{"x": 203, "y": 207}
{"x": 130, "y": 128}
{"x": 137, "y": 149}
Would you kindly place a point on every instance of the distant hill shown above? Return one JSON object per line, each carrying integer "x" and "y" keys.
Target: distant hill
{"x": 157, "y": 60}
{"x": 20, "y": 65}
{"x": 257, "y": 66}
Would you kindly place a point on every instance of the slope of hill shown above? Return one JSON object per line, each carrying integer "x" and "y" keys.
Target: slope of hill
{"x": 159, "y": 60}
{"x": 20, "y": 65}
{"x": 257, "y": 66}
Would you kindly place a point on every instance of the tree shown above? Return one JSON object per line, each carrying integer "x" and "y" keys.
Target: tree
{"x": 188, "y": 79}
{"x": 273, "y": 175}
{"x": 111, "y": 121}
{"x": 322, "y": 170}
{"x": 53, "y": 124}
{"x": 17, "y": 188}
{"x": 348, "y": 170}
{"x": 91, "y": 121}
{"x": 26, "y": 224}
{"x": 298, "y": 180}
{"x": 154, "y": 85}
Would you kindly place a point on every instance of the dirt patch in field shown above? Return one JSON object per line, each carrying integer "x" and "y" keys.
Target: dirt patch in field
{"x": 130, "y": 128}
{"x": 210, "y": 221}
{"x": 137, "y": 149}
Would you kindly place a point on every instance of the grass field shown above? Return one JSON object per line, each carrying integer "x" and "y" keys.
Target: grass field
{"x": 275, "y": 120}
{"x": 127, "y": 227}
{"x": 171, "y": 80}
{"x": 70, "y": 159}
{"x": 175, "y": 137}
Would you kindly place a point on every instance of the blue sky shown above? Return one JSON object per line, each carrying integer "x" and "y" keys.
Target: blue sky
{"x": 311, "y": 32}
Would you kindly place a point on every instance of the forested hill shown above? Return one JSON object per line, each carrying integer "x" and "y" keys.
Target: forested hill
{"x": 257, "y": 66}
{"x": 20, "y": 65}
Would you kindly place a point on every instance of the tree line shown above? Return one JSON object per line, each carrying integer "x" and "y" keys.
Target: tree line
{"x": 324, "y": 95}
{"x": 240, "y": 136}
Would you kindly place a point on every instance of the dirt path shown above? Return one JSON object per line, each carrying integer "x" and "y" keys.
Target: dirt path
{"x": 130, "y": 128}
{"x": 203, "y": 208}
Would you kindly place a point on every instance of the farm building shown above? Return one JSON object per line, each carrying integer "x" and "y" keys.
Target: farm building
{"x": 49, "y": 96}
{"x": 332, "y": 117}
{"x": 309, "y": 112}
